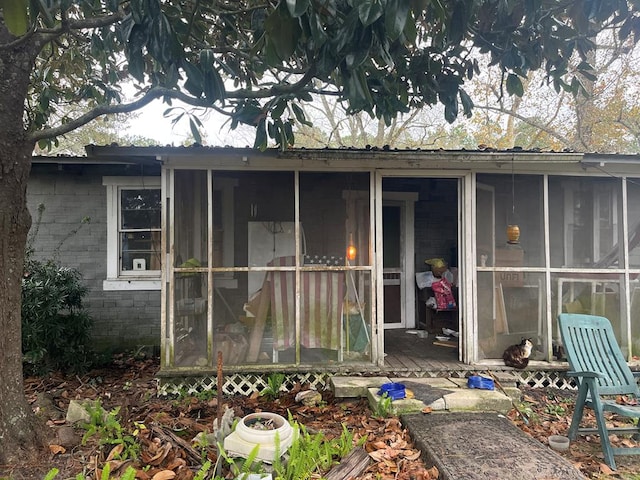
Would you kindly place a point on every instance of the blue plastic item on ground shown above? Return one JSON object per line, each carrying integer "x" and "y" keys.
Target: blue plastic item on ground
{"x": 395, "y": 391}
{"x": 476, "y": 381}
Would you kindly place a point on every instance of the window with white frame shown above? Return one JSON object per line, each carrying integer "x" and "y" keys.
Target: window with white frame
{"x": 134, "y": 218}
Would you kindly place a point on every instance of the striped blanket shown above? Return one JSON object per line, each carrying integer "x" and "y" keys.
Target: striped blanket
{"x": 321, "y": 296}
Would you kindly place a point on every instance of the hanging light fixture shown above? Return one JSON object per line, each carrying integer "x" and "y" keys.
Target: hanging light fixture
{"x": 513, "y": 230}
{"x": 352, "y": 251}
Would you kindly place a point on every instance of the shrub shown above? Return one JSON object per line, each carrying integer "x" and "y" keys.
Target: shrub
{"x": 55, "y": 326}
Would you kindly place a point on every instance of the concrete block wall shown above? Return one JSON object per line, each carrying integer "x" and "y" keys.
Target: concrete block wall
{"x": 121, "y": 319}
{"x": 436, "y": 226}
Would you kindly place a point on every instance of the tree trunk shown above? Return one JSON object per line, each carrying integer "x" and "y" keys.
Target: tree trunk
{"x": 18, "y": 432}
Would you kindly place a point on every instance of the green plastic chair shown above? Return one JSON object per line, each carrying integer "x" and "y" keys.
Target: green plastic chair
{"x": 602, "y": 374}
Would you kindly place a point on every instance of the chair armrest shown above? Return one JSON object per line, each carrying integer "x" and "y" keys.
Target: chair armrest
{"x": 585, "y": 374}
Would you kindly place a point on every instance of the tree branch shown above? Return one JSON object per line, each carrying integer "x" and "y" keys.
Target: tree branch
{"x": 159, "y": 92}
{"x": 544, "y": 128}
{"x": 99, "y": 111}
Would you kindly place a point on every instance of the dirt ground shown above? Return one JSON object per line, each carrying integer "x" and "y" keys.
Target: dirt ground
{"x": 165, "y": 426}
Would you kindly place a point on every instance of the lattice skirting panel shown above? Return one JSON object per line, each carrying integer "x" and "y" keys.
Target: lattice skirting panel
{"x": 531, "y": 378}
{"x": 250, "y": 383}
{"x": 239, "y": 383}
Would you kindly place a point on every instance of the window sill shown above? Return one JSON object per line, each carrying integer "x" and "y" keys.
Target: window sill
{"x": 131, "y": 284}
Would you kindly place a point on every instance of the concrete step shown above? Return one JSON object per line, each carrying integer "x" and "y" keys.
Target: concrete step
{"x": 438, "y": 394}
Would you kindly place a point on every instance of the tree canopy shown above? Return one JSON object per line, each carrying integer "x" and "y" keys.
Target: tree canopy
{"x": 258, "y": 61}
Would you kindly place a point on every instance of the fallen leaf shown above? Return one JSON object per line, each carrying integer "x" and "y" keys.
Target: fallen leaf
{"x": 176, "y": 463}
{"x": 115, "y": 451}
{"x": 55, "y": 449}
{"x": 625, "y": 400}
{"x": 412, "y": 455}
{"x": 427, "y": 410}
{"x": 142, "y": 475}
{"x": 434, "y": 472}
{"x": 392, "y": 453}
{"x": 115, "y": 465}
{"x": 164, "y": 475}
{"x": 605, "y": 469}
{"x": 377, "y": 455}
{"x": 160, "y": 455}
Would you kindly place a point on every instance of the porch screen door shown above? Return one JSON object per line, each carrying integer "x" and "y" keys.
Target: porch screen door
{"x": 392, "y": 264}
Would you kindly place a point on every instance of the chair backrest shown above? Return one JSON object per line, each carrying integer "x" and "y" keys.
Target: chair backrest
{"x": 591, "y": 346}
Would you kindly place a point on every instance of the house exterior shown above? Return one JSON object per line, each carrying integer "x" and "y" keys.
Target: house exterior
{"x": 300, "y": 260}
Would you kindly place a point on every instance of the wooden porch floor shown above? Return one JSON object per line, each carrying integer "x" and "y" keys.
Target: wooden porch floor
{"x": 407, "y": 353}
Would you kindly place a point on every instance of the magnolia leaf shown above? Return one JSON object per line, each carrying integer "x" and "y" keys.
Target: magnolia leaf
{"x": 261, "y": 136}
{"x": 395, "y": 18}
{"x": 369, "y": 11}
{"x": 300, "y": 115}
{"x": 16, "y": 16}
{"x": 195, "y": 79}
{"x": 213, "y": 85}
{"x": 195, "y": 131}
{"x": 450, "y": 109}
{"x": 297, "y": 7}
{"x": 514, "y": 85}
{"x": 316, "y": 28}
{"x": 282, "y": 33}
{"x": 278, "y": 110}
{"x": 467, "y": 103}
{"x": 458, "y": 24}
{"x": 207, "y": 59}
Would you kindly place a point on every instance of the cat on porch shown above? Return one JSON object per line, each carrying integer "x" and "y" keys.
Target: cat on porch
{"x": 517, "y": 356}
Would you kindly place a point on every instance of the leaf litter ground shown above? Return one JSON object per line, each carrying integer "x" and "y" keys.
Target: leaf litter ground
{"x": 171, "y": 423}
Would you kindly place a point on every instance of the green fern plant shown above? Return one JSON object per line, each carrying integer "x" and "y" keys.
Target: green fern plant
{"x": 311, "y": 455}
{"x": 384, "y": 406}
{"x": 274, "y": 385}
{"x": 240, "y": 467}
{"x": 107, "y": 428}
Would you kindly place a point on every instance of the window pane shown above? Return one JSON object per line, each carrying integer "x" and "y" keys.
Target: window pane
{"x": 226, "y": 218}
{"x": 593, "y": 294}
{"x": 140, "y": 251}
{"x": 266, "y": 229}
{"x": 334, "y": 211}
{"x": 508, "y": 311}
{"x": 190, "y": 324}
{"x": 190, "y": 224}
{"x": 357, "y": 317}
{"x": 585, "y": 222}
{"x": 241, "y": 331}
{"x": 504, "y": 200}
{"x": 633, "y": 206}
{"x": 140, "y": 209}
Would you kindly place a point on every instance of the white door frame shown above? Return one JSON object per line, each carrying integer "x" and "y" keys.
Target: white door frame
{"x": 406, "y": 202}
{"x": 466, "y": 252}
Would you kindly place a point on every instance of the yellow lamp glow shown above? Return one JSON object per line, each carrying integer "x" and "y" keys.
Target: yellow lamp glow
{"x": 351, "y": 249}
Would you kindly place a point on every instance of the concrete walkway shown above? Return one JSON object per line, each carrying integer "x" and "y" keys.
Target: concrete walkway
{"x": 467, "y": 435}
{"x": 482, "y": 446}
